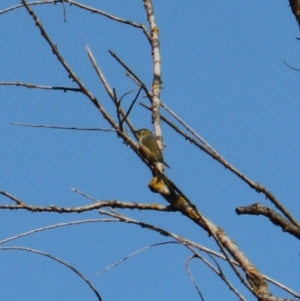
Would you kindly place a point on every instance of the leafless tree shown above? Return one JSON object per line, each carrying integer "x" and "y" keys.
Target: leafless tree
{"x": 121, "y": 124}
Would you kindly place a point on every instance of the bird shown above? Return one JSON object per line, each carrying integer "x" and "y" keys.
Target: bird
{"x": 149, "y": 147}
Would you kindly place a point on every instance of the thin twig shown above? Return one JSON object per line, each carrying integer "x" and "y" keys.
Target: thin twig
{"x": 291, "y": 67}
{"x": 13, "y": 198}
{"x": 34, "y": 86}
{"x": 64, "y": 8}
{"x": 187, "y": 126}
{"x": 62, "y": 127}
{"x": 58, "y": 260}
{"x": 133, "y": 254}
{"x": 285, "y": 288}
{"x": 141, "y": 84}
{"x": 108, "y": 89}
{"x": 118, "y": 107}
{"x": 120, "y": 110}
{"x": 187, "y": 265}
{"x": 131, "y": 106}
{"x": 127, "y": 93}
{"x": 6, "y": 10}
{"x": 112, "y": 17}
{"x": 223, "y": 277}
{"x": 87, "y": 8}
{"x": 55, "y": 226}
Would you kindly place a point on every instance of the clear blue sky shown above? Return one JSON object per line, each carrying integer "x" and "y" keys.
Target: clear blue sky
{"x": 223, "y": 73}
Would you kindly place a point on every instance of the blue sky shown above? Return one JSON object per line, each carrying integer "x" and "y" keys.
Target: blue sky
{"x": 223, "y": 73}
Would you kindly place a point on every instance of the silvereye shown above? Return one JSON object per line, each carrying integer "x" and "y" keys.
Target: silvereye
{"x": 149, "y": 147}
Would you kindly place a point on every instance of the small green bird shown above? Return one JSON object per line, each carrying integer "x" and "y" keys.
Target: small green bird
{"x": 149, "y": 147}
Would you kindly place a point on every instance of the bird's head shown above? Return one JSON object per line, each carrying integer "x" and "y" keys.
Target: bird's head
{"x": 142, "y": 133}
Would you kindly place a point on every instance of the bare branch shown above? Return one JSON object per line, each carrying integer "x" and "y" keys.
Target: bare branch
{"x": 131, "y": 205}
{"x": 58, "y": 260}
{"x": 13, "y": 198}
{"x": 223, "y": 277}
{"x": 226, "y": 244}
{"x": 34, "y": 86}
{"x": 157, "y": 75}
{"x": 275, "y": 218}
{"x": 62, "y": 127}
{"x": 271, "y": 298}
{"x": 55, "y": 226}
{"x": 29, "y": 3}
{"x": 131, "y": 106}
{"x": 133, "y": 254}
{"x": 112, "y": 17}
{"x": 187, "y": 265}
{"x": 291, "y": 67}
{"x": 127, "y": 93}
{"x": 285, "y": 288}
{"x": 58, "y": 55}
{"x": 87, "y": 8}
{"x": 100, "y": 204}
{"x": 187, "y": 127}
{"x": 140, "y": 82}
{"x": 107, "y": 87}
{"x": 218, "y": 271}
{"x": 118, "y": 107}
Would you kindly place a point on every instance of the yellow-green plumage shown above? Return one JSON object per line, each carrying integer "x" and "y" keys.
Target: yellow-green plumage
{"x": 149, "y": 147}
